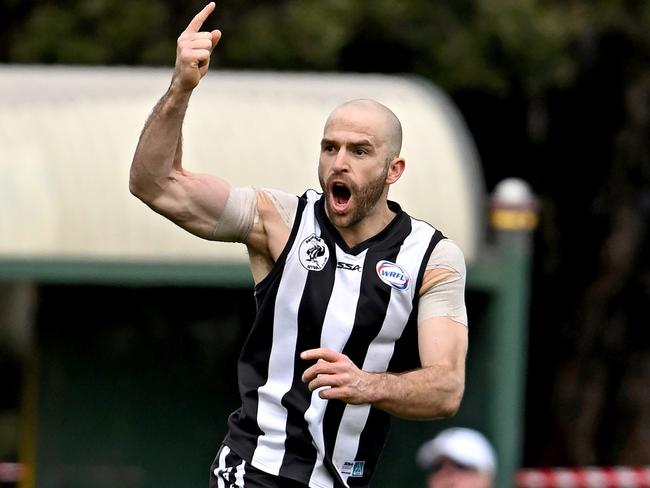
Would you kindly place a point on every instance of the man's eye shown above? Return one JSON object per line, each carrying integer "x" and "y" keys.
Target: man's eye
{"x": 360, "y": 152}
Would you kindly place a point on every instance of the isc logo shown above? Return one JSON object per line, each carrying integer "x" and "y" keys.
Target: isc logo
{"x": 393, "y": 274}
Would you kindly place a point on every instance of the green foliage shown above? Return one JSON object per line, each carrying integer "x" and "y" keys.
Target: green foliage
{"x": 94, "y": 32}
{"x": 489, "y": 45}
{"x": 520, "y": 39}
{"x": 292, "y": 35}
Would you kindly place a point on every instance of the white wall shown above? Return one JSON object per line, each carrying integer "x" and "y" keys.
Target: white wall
{"x": 67, "y": 136}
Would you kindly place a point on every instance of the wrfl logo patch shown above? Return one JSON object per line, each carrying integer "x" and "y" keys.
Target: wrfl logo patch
{"x": 393, "y": 274}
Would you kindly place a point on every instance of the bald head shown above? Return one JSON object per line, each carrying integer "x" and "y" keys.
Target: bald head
{"x": 378, "y": 117}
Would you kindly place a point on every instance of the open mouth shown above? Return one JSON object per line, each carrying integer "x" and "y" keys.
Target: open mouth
{"x": 340, "y": 196}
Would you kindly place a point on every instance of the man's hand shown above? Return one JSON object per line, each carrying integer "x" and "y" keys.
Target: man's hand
{"x": 337, "y": 371}
{"x": 193, "y": 51}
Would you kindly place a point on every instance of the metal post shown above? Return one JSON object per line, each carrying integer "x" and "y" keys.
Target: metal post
{"x": 513, "y": 216}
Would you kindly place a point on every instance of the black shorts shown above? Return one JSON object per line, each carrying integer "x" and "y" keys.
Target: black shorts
{"x": 231, "y": 471}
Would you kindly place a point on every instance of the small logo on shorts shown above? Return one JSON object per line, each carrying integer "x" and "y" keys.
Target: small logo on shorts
{"x": 393, "y": 274}
{"x": 353, "y": 469}
{"x": 313, "y": 253}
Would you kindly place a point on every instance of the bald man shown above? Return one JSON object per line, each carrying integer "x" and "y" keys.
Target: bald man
{"x": 360, "y": 308}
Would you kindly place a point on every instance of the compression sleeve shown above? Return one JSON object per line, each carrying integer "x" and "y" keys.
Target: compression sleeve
{"x": 240, "y": 213}
{"x": 445, "y": 298}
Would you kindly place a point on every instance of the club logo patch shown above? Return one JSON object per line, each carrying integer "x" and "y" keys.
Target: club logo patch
{"x": 313, "y": 253}
{"x": 393, "y": 274}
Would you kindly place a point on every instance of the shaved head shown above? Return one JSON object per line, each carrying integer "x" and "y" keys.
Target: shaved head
{"x": 359, "y": 160}
{"x": 387, "y": 125}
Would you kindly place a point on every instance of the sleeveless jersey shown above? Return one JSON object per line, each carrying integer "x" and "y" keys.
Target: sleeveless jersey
{"x": 360, "y": 301}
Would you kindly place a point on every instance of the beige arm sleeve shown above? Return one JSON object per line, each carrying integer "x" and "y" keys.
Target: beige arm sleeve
{"x": 240, "y": 212}
{"x": 446, "y": 297}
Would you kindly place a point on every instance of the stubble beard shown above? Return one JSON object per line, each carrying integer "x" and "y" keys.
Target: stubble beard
{"x": 365, "y": 199}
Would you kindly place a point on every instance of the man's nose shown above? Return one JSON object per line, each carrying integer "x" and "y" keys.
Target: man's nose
{"x": 340, "y": 162}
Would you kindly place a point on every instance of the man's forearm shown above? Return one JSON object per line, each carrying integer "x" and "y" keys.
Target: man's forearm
{"x": 422, "y": 394}
{"x": 159, "y": 148}
{"x": 430, "y": 392}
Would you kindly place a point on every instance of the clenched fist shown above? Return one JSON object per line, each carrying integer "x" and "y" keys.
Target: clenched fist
{"x": 193, "y": 51}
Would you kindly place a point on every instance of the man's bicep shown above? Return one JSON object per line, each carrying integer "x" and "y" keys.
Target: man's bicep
{"x": 443, "y": 342}
{"x": 194, "y": 201}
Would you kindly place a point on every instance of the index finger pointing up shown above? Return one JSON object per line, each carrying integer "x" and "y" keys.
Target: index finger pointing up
{"x": 197, "y": 21}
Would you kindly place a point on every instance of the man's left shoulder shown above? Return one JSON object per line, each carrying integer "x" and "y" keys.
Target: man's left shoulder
{"x": 448, "y": 254}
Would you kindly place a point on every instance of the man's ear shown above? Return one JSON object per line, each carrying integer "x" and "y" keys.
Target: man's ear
{"x": 395, "y": 170}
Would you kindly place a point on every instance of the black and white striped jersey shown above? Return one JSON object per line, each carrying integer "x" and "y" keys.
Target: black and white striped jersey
{"x": 360, "y": 301}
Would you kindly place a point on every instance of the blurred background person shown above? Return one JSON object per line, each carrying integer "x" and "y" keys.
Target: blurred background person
{"x": 458, "y": 458}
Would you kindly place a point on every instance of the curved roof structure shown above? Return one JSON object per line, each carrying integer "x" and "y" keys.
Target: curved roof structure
{"x": 67, "y": 136}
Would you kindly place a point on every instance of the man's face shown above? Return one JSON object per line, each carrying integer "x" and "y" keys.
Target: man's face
{"x": 449, "y": 474}
{"x": 354, "y": 164}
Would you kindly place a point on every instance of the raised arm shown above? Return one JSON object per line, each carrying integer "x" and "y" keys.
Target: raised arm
{"x": 193, "y": 201}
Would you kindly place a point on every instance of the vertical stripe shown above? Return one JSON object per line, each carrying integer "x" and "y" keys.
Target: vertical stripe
{"x": 381, "y": 348}
{"x": 376, "y": 430}
{"x": 252, "y": 368}
{"x": 271, "y": 414}
{"x": 300, "y": 452}
{"x": 406, "y": 353}
{"x": 337, "y": 327}
{"x": 373, "y": 301}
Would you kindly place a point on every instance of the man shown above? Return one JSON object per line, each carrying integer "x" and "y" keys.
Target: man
{"x": 360, "y": 309}
{"x": 458, "y": 458}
